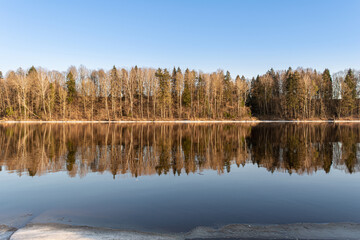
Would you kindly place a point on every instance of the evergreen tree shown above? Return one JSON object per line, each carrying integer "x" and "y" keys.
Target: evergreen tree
{"x": 240, "y": 92}
{"x": 32, "y": 74}
{"x": 32, "y": 70}
{"x": 290, "y": 95}
{"x": 135, "y": 80}
{"x": 71, "y": 88}
{"x": 200, "y": 95}
{"x": 255, "y": 95}
{"x": 227, "y": 88}
{"x": 114, "y": 76}
{"x": 246, "y": 92}
{"x": 294, "y": 94}
{"x": 115, "y": 85}
{"x": 186, "y": 96}
{"x": 327, "y": 84}
{"x": 178, "y": 88}
{"x": 1, "y": 75}
{"x": 114, "y": 81}
{"x": 173, "y": 85}
{"x": 301, "y": 94}
{"x": 164, "y": 90}
{"x": 174, "y": 88}
{"x": 275, "y": 102}
{"x": 327, "y": 90}
{"x": 350, "y": 81}
{"x": 348, "y": 99}
{"x": 276, "y": 88}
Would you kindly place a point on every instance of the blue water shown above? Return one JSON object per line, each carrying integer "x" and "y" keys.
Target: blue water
{"x": 248, "y": 193}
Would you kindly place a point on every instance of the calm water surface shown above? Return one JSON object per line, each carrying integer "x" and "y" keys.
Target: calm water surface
{"x": 174, "y": 177}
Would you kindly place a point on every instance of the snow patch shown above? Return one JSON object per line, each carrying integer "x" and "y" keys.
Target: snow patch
{"x": 60, "y": 232}
{"x": 6, "y": 232}
{"x": 309, "y": 231}
{"x": 286, "y": 231}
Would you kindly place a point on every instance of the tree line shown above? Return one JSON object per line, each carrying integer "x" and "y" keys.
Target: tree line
{"x": 146, "y": 93}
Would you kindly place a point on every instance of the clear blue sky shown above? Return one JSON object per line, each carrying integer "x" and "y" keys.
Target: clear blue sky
{"x": 244, "y": 37}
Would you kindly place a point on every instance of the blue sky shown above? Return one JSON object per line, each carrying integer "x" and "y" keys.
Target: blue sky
{"x": 244, "y": 37}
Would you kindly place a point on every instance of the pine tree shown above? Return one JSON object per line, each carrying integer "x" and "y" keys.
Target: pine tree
{"x": 351, "y": 83}
{"x": 164, "y": 90}
{"x": 227, "y": 88}
{"x": 255, "y": 95}
{"x": 275, "y": 104}
{"x": 200, "y": 95}
{"x": 32, "y": 70}
{"x": 114, "y": 86}
{"x": 348, "y": 94}
{"x": 294, "y": 94}
{"x": 290, "y": 94}
{"x": 174, "y": 89}
{"x": 301, "y": 94}
{"x": 173, "y": 86}
{"x": 179, "y": 86}
{"x": 241, "y": 94}
{"x": 71, "y": 88}
{"x": 327, "y": 84}
{"x": 327, "y": 90}
{"x": 186, "y": 96}
{"x": 114, "y": 76}
{"x": 239, "y": 97}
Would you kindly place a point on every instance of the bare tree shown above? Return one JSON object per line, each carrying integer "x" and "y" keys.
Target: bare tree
{"x": 179, "y": 88}
{"x": 21, "y": 84}
{"x": 84, "y": 86}
{"x": 141, "y": 79}
{"x": 62, "y": 92}
{"x": 104, "y": 81}
{"x": 42, "y": 87}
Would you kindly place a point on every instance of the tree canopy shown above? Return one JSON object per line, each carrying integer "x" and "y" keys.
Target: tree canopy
{"x": 146, "y": 93}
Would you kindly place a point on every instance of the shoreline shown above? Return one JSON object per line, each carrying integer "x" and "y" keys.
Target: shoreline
{"x": 308, "y": 231}
{"x": 181, "y": 121}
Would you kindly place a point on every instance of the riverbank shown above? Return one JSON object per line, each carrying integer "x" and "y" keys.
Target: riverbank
{"x": 187, "y": 121}
{"x": 56, "y": 231}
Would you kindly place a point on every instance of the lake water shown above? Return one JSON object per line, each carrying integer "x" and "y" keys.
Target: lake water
{"x": 175, "y": 177}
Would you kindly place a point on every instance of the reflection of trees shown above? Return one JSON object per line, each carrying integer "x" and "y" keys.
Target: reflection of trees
{"x": 70, "y": 158}
{"x": 349, "y": 149}
{"x": 145, "y": 149}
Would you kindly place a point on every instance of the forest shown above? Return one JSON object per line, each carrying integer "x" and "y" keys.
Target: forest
{"x": 150, "y": 94}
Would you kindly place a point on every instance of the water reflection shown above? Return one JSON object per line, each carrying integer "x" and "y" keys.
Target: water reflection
{"x": 146, "y": 149}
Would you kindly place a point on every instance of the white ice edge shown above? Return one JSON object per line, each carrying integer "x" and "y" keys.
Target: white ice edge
{"x": 6, "y": 232}
{"x": 286, "y": 231}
